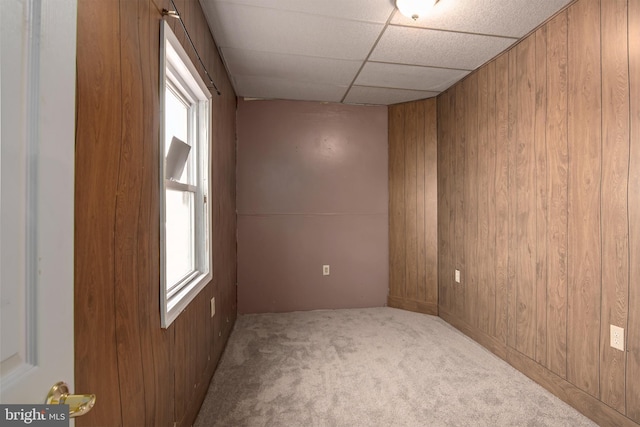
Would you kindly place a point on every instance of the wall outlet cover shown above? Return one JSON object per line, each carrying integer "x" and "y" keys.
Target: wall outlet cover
{"x": 617, "y": 337}
{"x": 326, "y": 270}
{"x": 213, "y": 306}
{"x": 457, "y": 276}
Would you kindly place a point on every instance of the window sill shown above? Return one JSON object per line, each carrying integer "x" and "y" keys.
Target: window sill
{"x": 181, "y": 300}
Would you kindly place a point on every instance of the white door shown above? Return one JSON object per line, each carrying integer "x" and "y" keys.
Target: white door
{"x": 38, "y": 65}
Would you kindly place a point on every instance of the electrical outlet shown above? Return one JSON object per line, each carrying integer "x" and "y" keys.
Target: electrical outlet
{"x": 325, "y": 270}
{"x": 457, "y": 276}
{"x": 617, "y": 337}
{"x": 213, "y": 306}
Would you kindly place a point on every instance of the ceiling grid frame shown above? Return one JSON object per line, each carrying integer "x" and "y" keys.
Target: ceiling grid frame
{"x": 363, "y": 51}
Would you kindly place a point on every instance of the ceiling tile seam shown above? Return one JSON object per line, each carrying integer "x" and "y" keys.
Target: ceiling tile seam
{"x": 373, "y": 61}
{"x": 280, "y": 79}
{"x": 386, "y": 25}
{"x": 288, "y": 80}
{"x": 291, "y": 54}
{"x": 455, "y": 31}
{"x": 399, "y": 88}
{"x": 297, "y": 12}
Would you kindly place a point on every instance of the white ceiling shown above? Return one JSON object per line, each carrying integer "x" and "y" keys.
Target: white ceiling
{"x": 362, "y": 51}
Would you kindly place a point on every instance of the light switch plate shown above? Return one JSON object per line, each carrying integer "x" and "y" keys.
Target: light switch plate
{"x": 213, "y": 306}
{"x": 457, "y": 276}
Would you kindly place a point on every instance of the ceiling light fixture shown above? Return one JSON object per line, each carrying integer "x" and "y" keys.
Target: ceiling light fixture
{"x": 415, "y": 9}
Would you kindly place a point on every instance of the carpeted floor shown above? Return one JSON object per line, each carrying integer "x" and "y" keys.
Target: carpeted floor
{"x": 369, "y": 367}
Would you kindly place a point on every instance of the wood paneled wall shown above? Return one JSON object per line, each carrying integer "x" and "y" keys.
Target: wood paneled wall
{"x": 539, "y": 206}
{"x": 142, "y": 375}
{"x": 413, "y": 265}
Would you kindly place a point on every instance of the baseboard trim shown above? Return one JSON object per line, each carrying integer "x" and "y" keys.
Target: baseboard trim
{"x": 588, "y": 405}
{"x": 490, "y": 343}
{"x": 582, "y": 401}
{"x": 413, "y": 305}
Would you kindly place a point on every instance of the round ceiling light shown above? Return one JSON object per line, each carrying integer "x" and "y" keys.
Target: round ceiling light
{"x": 414, "y": 9}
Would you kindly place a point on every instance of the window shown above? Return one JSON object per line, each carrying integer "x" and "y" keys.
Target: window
{"x": 185, "y": 214}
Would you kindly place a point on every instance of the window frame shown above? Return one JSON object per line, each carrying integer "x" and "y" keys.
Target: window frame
{"x": 177, "y": 70}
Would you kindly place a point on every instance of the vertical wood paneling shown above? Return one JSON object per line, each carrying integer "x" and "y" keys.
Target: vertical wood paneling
{"x": 541, "y": 194}
{"x": 633, "y": 332}
{"x": 557, "y": 158}
{"x": 129, "y": 250}
{"x": 413, "y": 206}
{"x": 192, "y": 380}
{"x": 470, "y": 85}
{"x": 483, "y": 263}
{"x": 489, "y": 250}
{"x": 453, "y": 200}
{"x": 431, "y": 201}
{"x": 459, "y": 197}
{"x": 420, "y": 231}
{"x": 525, "y": 199}
{"x": 584, "y": 254}
{"x": 142, "y": 374}
{"x": 156, "y": 344}
{"x": 396, "y": 201}
{"x": 615, "y": 174}
{"x": 512, "y": 165}
{"x": 502, "y": 196}
{"x": 561, "y": 204}
{"x": 410, "y": 200}
{"x": 98, "y": 95}
{"x": 444, "y": 144}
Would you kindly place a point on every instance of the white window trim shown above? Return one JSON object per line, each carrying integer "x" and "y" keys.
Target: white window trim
{"x": 172, "y": 305}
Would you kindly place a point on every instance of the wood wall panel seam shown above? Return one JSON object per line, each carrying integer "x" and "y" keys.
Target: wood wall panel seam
{"x": 584, "y": 196}
{"x": 525, "y": 199}
{"x": 92, "y": 157}
{"x": 502, "y": 197}
{"x": 557, "y": 156}
{"x": 491, "y": 202}
{"x": 397, "y": 228}
{"x": 126, "y": 230}
{"x": 512, "y": 168}
{"x": 410, "y": 170}
{"x": 459, "y": 197}
{"x": 482, "y": 262}
{"x": 541, "y": 187}
{"x": 420, "y": 232}
{"x": 614, "y": 209}
{"x": 633, "y": 313}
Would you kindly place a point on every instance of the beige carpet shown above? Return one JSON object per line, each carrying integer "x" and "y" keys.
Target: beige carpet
{"x": 369, "y": 367}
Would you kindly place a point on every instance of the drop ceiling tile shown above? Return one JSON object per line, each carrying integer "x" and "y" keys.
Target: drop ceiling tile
{"x": 513, "y": 18}
{"x": 291, "y": 67}
{"x": 269, "y": 30}
{"x": 261, "y": 87}
{"x": 408, "y": 76}
{"x": 418, "y": 46}
{"x": 384, "y": 96}
{"x": 357, "y": 10}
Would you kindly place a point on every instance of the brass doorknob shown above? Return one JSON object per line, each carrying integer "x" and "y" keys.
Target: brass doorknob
{"x": 79, "y": 404}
